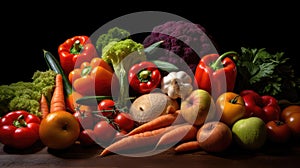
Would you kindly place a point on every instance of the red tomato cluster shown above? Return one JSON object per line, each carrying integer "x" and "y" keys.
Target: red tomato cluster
{"x": 286, "y": 127}
{"x": 103, "y": 125}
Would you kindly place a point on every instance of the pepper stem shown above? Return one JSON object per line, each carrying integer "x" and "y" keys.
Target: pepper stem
{"x": 20, "y": 122}
{"x": 144, "y": 75}
{"x": 218, "y": 63}
{"x": 86, "y": 70}
{"x": 76, "y": 48}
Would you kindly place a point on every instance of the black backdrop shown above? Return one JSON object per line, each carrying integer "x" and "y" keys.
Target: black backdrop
{"x": 29, "y": 28}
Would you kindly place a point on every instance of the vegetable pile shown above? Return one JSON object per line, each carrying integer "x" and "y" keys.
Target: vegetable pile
{"x": 137, "y": 98}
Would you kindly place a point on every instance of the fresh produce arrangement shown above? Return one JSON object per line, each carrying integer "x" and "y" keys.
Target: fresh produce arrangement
{"x": 130, "y": 97}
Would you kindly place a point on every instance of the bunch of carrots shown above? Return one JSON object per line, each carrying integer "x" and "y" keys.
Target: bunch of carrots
{"x": 164, "y": 131}
{"x": 57, "y": 102}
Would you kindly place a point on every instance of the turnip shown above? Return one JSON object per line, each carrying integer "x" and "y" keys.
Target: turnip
{"x": 152, "y": 105}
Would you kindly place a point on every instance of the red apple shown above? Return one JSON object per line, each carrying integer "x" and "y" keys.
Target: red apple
{"x": 198, "y": 107}
{"x": 214, "y": 136}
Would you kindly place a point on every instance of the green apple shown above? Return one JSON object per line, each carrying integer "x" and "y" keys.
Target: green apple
{"x": 249, "y": 133}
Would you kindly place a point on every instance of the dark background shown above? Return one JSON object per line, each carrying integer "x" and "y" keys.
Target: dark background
{"x": 29, "y": 28}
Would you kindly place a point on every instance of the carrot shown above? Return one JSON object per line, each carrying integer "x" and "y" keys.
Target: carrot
{"x": 58, "y": 99}
{"x": 44, "y": 106}
{"x": 158, "y": 122}
{"x": 141, "y": 140}
{"x": 184, "y": 132}
{"x": 187, "y": 146}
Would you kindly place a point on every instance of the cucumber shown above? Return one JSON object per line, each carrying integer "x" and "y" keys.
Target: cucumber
{"x": 53, "y": 64}
{"x": 91, "y": 100}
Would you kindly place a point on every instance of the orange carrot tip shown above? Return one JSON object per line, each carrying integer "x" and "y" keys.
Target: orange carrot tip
{"x": 188, "y": 146}
{"x": 58, "y": 98}
{"x": 44, "y": 108}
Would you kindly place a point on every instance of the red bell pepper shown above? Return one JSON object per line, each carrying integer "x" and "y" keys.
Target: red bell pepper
{"x": 144, "y": 77}
{"x": 19, "y": 129}
{"x": 216, "y": 74}
{"x": 74, "y": 51}
{"x": 265, "y": 107}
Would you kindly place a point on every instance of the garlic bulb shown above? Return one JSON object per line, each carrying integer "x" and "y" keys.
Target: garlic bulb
{"x": 177, "y": 84}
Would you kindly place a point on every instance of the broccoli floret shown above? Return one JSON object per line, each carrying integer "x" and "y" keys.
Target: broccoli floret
{"x": 113, "y": 34}
{"x": 115, "y": 53}
{"x": 184, "y": 43}
{"x": 44, "y": 81}
{"x": 6, "y": 95}
{"x": 22, "y": 103}
{"x": 26, "y": 95}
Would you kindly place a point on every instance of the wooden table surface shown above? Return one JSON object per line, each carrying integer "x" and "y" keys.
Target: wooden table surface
{"x": 39, "y": 156}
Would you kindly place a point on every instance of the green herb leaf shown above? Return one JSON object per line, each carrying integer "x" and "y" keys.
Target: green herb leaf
{"x": 265, "y": 70}
{"x": 149, "y": 50}
{"x": 266, "y": 73}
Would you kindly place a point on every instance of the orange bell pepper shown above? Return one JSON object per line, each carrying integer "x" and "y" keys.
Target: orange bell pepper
{"x": 92, "y": 78}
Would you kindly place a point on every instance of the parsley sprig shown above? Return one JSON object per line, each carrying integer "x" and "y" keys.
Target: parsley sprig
{"x": 267, "y": 73}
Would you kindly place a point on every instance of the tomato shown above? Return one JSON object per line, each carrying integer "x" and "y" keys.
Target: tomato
{"x": 104, "y": 132}
{"x": 231, "y": 107}
{"x": 124, "y": 121}
{"x": 289, "y": 110}
{"x": 107, "y": 108}
{"x": 120, "y": 134}
{"x": 278, "y": 131}
{"x": 293, "y": 121}
{"x": 87, "y": 137}
{"x": 85, "y": 119}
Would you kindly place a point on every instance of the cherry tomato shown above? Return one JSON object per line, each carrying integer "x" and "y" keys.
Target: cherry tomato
{"x": 124, "y": 121}
{"x": 293, "y": 121}
{"x": 87, "y": 137}
{"x": 85, "y": 119}
{"x": 104, "y": 133}
{"x": 278, "y": 131}
{"x": 120, "y": 134}
{"x": 107, "y": 106}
